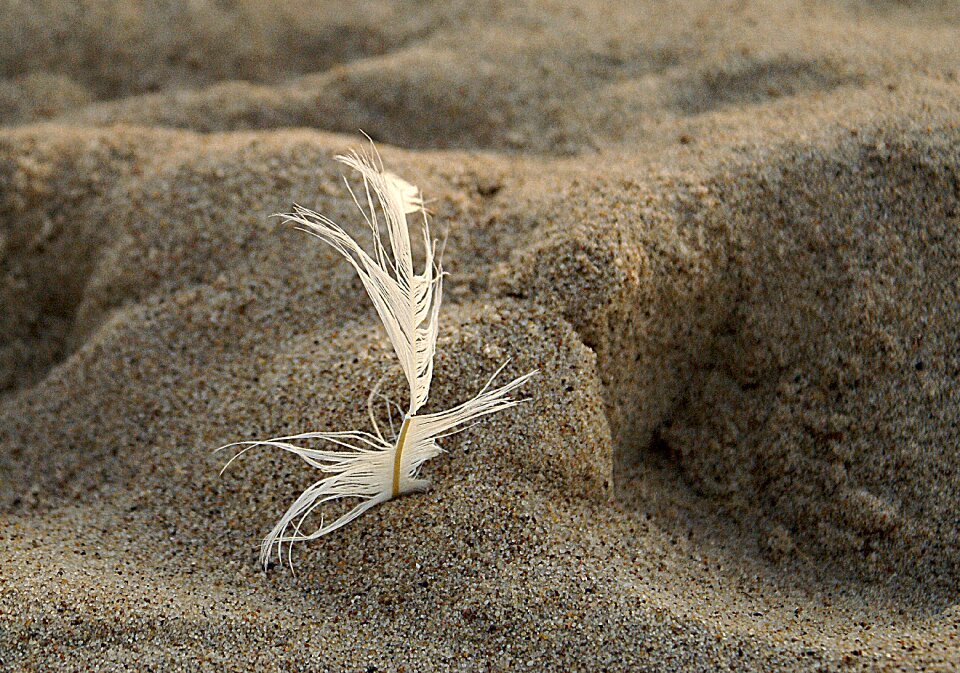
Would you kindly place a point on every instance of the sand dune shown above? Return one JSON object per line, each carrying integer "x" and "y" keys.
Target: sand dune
{"x": 727, "y": 235}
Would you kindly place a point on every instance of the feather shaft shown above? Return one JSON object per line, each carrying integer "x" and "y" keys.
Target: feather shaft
{"x": 398, "y": 456}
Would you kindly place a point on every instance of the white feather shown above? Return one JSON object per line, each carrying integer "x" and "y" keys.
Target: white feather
{"x": 408, "y": 303}
{"x": 367, "y": 467}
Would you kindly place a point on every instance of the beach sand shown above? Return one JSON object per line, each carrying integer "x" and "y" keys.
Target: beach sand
{"x": 727, "y": 234}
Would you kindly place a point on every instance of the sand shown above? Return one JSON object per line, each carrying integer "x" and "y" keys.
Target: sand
{"x": 727, "y": 233}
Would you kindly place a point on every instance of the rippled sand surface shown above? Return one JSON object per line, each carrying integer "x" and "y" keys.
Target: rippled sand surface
{"x": 727, "y": 233}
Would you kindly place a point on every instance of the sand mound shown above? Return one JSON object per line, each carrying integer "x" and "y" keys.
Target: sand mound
{"x": 790, "y": 343}
{"x": 728, "y": 238}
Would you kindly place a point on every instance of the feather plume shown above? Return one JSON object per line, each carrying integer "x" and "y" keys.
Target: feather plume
{"x": 408, "y": 303}
{"x": 362, "y": 466}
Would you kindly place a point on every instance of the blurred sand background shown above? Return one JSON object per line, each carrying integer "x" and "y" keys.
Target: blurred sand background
{"x": 727, "y": 232}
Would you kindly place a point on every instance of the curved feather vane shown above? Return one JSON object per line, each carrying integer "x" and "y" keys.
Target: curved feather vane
{"x": 367, "y": 467}
{"x": 408, "y": 303}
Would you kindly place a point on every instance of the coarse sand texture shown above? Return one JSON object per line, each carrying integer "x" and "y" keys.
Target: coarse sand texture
{"x": 726, "y": 234}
